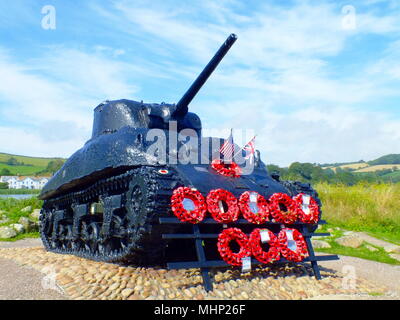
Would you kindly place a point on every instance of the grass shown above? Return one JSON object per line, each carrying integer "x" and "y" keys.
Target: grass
{"x": 378, "y": 167}
{"x": 22, "y": 170}
{"x": 32, "y": 165}
{"x": 375, "y": 294}
{"x": 12, "y": 207}
{"x": 19, "y": 191}
{"x": 34, "y": 161}
{"x": 393, "y": 176}
{"x": 354, "y": 165}
{"x": 362, "y": 252}
{"x": 372, "y": 208}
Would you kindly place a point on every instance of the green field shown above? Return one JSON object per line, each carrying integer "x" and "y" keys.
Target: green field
{"x": 35, "y": 161}
{"x": 31, "y": 165}
{"x": 22, "y": 170}
{"x": 19, "y": 191}
{"x": 373, "y": 208}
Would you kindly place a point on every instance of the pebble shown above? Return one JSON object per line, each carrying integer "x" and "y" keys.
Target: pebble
{"x": 86, "y": 279}
{"x": 126, "y": 292}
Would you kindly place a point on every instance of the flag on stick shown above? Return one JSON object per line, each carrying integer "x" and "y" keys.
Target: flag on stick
{"x": 250, "y": 149}
{"x": 228, "y": 148}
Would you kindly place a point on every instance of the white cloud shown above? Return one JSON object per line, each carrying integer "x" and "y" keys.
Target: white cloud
{"x": 32, "y": 143}
{"x": 280, "y": 78}
{"x": 54, "y": 97}
{"x": 322, "y": 135}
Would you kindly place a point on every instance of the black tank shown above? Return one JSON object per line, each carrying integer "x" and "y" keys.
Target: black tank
{"x": 104, "y": 203}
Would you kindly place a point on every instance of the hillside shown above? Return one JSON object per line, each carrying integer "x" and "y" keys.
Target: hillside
{"x": 388, "y": 159}
{"x": 11, "y": 164}
{"x": 387, "y": 162}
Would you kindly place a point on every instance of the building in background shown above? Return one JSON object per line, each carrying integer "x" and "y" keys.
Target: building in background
{"x": 16, "y": 182}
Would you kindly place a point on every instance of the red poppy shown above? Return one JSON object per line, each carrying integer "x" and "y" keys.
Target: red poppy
{"x": 283, "y": 208}
{"x": 310, "y": 213}
{"x": 196, "y": 212}
{"x": 231, "y": 169}
{"x": 292, "y": 245}
{"x": 273, "y": 253}
{"x": 261, "y": 215}
{"x": 215, "y": 202}
{"x": 224, "y": 239}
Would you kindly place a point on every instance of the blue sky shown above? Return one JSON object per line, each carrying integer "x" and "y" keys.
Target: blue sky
{"x": 313, "y": 87}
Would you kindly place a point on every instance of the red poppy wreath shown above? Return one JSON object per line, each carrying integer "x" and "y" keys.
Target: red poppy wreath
{"x": 273, "y": 253}
{"x": 309, "y": 212}
{"x": 283, "y": 208}
{"x": 292, "y": 245}
{"x": 261, "y": 204}
{"x": 198, "y": 205}
{"x": 224, "y": 239}
{"x": 215, "y": 202}
{"x": 231, "y": 169}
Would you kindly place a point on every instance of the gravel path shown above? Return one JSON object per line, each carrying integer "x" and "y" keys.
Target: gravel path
{"x": 23, "y": 283}
{"x": 24, "y": 243}
{"x": 23, "y": 262}
{"x": 379, "y": 273}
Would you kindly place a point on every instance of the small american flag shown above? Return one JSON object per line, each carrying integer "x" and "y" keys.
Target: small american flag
{"x": 250, "y": 150}
{"x": 228, "y": 147}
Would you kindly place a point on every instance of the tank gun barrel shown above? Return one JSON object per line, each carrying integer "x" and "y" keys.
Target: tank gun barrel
{"x": 182, "y": 105}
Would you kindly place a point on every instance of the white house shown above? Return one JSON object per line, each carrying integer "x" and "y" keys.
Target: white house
{"x": 15, "y": 182}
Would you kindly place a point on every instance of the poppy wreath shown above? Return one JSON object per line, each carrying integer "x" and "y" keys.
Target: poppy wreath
{"x": 193, "y": 216}
{"x": 283, "y": 208}
{"x": 313, "y": 215}
{"x": 233, "y": 234}
{"x": 301, "y": 246}
{"x": 226, "y": 169}
{"x": 273, "y": 253}
{"x": 213, "y": 198}
{"x": 263, "y": 209}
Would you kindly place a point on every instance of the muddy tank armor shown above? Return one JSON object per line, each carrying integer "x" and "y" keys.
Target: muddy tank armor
{"x": 104, "y": 203}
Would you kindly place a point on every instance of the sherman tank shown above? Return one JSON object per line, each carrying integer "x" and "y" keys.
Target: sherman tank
{"x": 106, "y": 200}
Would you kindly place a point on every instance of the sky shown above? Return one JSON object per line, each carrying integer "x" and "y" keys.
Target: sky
{"x": 317, "y": 81}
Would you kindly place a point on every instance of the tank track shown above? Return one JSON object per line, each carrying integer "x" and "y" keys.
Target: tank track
{"x": 127, "y": 230}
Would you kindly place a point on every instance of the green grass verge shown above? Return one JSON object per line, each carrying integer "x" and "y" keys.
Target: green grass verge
{"x": 34, "y": 161}
{"x": 22, "y": 170}
{"x": 372, "y": 208}
{"x": 19, "y": 191}
{"x": 362, "y": 252}
{"x": 380, "y": 255}
{"x": 22, "y": 236}
{"x": 12, "y": 207}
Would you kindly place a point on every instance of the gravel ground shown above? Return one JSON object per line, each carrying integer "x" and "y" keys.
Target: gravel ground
{"x": 380, "y": 273}
{"x": 29, "y": 273}
{"x": 23, "y": 283}
{"x": 24, "y": 243}
{"x": 84, "y": 279}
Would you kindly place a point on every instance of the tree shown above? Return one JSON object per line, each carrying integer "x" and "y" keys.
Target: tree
{"x": 3, "y": 185}
{"x": 13, "y": 162}
{"x": 54, "y": 165}
{"x": 5, "y": 172}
